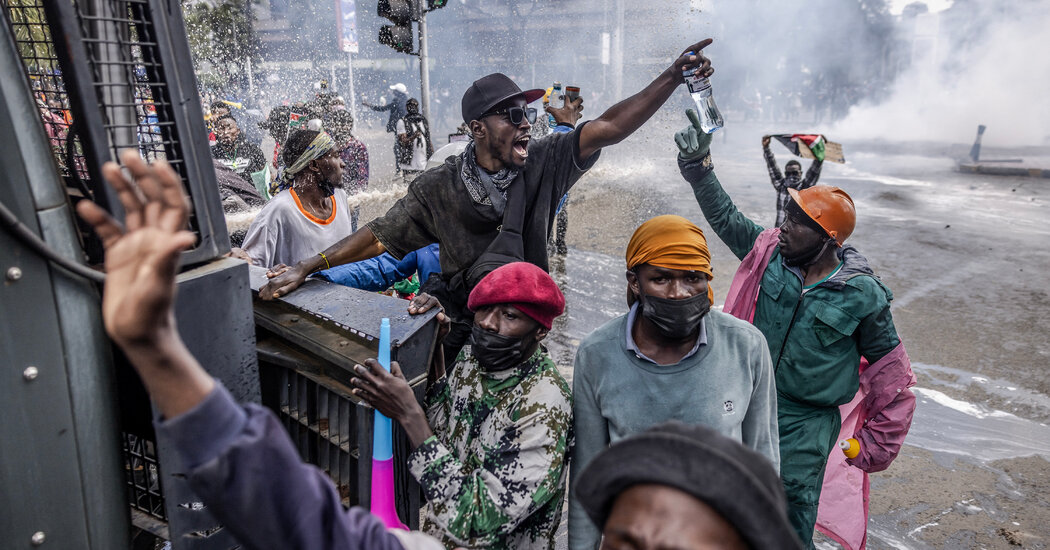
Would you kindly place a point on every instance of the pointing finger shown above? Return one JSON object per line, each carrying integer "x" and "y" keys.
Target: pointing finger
{"x": 699, "y": 45}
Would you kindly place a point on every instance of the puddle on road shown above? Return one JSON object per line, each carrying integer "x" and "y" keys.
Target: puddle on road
{"x": 944, "y": 424}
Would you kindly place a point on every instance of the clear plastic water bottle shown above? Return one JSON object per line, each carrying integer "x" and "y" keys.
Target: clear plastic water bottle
{"x": 555, "y": 95}
{"x": 700, "y": 89}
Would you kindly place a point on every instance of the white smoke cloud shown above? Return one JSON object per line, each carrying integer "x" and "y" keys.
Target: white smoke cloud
{"x": 998, "y": 76}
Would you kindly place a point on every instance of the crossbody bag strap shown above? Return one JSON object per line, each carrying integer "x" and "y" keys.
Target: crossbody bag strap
{"x": 508, "y": 246}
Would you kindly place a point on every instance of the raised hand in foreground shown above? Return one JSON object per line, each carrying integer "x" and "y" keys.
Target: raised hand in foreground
{"x": 141, "y": 261}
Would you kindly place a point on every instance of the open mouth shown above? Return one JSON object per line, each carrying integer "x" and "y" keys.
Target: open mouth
{"x": 521, "y": 146}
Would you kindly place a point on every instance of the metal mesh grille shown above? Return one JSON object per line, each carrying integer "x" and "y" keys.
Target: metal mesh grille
{"x": 142, "y": 121}
{"x": 127, "y": 77}
{"x": 130, "y": 83}
{"x": 29, "y": 26}
{"x": 143, "y": 475}
{"x": 129, "y": 80}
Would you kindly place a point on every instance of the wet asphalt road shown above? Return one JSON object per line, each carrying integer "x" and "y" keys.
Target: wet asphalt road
{"x": 966, "y": 258}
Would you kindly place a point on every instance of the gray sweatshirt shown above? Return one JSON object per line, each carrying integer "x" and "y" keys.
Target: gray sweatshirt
{"x": 726, "y": 385}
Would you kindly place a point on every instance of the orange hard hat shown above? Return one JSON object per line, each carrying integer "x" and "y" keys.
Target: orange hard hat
{"x": 831, "y": 207}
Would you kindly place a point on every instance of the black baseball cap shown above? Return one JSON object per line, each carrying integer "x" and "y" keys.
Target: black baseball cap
{"x": 489, "y": 91}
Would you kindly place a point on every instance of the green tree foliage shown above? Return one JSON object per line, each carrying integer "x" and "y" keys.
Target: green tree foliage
{"x": 31, "y": 34}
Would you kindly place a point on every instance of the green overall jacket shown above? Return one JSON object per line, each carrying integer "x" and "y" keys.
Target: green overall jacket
{"x": 816, "y": 340}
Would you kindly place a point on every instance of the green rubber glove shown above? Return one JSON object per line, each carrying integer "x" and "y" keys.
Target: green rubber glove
{"x": 692, "y": 142}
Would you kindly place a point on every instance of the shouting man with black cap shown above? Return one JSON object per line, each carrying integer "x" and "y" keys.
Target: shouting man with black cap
{"x": 496, "y": 202}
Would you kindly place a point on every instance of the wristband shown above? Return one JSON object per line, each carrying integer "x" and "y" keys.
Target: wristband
{"x": 325, "y": 258}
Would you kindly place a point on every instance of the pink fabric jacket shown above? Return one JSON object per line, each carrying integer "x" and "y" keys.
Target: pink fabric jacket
{"x": 878, "y": 417}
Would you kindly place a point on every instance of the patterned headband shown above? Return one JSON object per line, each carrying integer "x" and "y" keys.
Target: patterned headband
{"x": 319, "y": 147}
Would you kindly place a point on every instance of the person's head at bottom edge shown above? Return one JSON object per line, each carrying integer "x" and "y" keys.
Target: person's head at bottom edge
{"x": 685, "y": 486}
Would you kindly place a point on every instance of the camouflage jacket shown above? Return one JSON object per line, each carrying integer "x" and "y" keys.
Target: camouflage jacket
{"x": 494, "y": 472}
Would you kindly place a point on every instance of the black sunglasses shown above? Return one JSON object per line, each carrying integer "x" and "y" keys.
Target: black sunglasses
{"x": 515, "y": 114}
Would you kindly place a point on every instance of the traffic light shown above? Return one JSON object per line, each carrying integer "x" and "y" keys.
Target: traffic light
{"x": 400, "y": 13}
{"x": 436, "y": 4}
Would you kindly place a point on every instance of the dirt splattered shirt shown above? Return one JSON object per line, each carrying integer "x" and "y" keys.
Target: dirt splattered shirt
{"x": 494, "y": 473}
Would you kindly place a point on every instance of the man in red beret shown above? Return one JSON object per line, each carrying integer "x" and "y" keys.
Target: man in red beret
{"x": 491, "y": 449}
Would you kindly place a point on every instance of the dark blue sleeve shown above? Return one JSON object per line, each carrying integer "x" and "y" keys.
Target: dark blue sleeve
{"x": 246, "y": 471}
{"x": 408, "y": 265}
{"x": 428, "y": 260}
{"x": 374, "y": 274}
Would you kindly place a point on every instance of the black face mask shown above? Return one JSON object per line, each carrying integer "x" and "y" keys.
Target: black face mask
{"x": 808, "y": 256}
{"x": 675, "y": 319}
{"x": 804, "y": 258}
{"x": 496, "y": 352}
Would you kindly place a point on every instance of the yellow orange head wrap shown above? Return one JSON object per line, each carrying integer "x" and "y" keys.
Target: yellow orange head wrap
{"x": 671, "y": 242}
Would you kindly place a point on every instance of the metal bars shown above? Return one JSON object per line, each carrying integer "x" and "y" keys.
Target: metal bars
{"x": 29, "y": 25}
{"x": 129, "y": 79}
{"x": 143, "y": 475}
{"x": 128, "y": 69}
{"x": 329, "y": 427}
{"x": 322, "y": 421}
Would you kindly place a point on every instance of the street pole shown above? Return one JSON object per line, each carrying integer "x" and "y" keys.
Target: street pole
{"x": 617, "y": 53}
{"x": 424, "y": 70}
{"x": 350, "y": 79}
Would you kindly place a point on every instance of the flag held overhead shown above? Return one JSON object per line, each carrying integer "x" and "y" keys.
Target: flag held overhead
{"x": 812, "y": 146}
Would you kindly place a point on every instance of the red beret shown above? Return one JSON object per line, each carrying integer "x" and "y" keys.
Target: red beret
{"x": 524, "y": 286}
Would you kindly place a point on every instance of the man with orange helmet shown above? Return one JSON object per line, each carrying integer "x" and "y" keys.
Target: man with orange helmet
{"x": 821, "y": 309}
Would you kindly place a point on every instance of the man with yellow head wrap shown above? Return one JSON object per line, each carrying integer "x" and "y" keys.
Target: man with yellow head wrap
{"x": 669, "y": 358}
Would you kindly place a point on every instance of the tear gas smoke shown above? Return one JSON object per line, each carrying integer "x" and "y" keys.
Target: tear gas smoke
{"x": 976, "y": 63}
